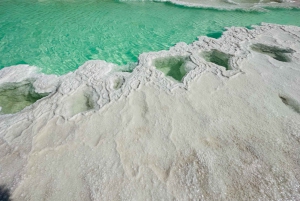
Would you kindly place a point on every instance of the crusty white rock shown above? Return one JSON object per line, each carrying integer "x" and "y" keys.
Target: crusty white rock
{"x": 238, "y": 4}
{"x": 218, "y": 134}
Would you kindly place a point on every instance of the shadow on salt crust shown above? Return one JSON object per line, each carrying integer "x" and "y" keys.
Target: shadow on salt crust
{"x": 172, "y": 66}
{"x": 217, "y": 57}
{"x": 277, "y": 53}
{"x": 291, "y": 103}
{"x": 118, "y": 82}
{"x": 4, "y": 193}
{"x": 14, "y": 97}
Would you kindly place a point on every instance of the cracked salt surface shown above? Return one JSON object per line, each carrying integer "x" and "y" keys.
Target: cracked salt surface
{"x": 217, "y": 134}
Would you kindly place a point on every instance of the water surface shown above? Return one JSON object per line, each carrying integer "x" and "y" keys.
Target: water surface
{"x": 59, "y": 36}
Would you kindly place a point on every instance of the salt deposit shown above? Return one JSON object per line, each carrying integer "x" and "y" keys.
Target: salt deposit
{"x": 238, "y": 4}
{"x": 224, "y": 126}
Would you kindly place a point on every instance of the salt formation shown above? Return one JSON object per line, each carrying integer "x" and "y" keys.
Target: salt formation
{"x": 225, "y": 127}
{"x": 237, "y": 4}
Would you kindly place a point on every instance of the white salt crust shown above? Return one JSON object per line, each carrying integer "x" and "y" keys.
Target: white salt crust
{"x": 258, "y": 5}
{"x": 217, "y": 135}
{"x": 238, "y": 4}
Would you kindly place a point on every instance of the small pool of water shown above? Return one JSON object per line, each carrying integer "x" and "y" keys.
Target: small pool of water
{"x": 59, "y": 36}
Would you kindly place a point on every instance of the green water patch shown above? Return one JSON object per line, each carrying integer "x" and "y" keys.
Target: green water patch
{"x": 217, "y": 57}
{"x": 215, "y": 35}
{"x": 277, "y": 53}
{"x": 14, "y": 97}
{"x": 172, "y": 66}
{"x": 59, "y": 36}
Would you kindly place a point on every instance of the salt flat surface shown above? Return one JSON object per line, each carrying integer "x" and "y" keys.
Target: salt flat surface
{"x": 228, "y": 130}
{"x": 238, "y": 4}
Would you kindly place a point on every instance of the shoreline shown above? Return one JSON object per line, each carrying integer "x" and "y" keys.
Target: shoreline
{"x": 65, "y": 58}
{"x": 231, "y": 5}
{"x": 214, "y": 119}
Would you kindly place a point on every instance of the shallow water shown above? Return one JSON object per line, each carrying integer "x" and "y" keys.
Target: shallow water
{"x": 59, "y": 36}
{"x": 15, "y": 97}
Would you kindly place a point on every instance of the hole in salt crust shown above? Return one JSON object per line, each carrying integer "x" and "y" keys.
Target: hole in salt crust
{"x": 81, "y": 103}
{"x": 215, "y": 35}
{"x": 217, "y": 57}
{"x": 277, "y": 53}
{"x": 172, "y": 66}
{"x": 14, "y": 97}
{"x": 78, "y": 102}
{"x": 4, "y": 193}
{"x": 117, "y": 84}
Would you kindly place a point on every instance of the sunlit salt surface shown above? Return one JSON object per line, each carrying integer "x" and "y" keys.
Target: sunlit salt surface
{"x": 59, "y": 36}
{"x": 237, "y": 4}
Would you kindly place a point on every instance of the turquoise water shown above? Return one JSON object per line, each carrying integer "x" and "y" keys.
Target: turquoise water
{"x": 59, "y": 36}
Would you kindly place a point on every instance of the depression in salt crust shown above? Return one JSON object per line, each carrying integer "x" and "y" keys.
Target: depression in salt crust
{"x": 217, "y": 119}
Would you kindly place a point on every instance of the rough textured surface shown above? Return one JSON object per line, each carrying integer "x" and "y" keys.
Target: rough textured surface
{"x": 238, "y": 4}
{"x": 217, "y": 134}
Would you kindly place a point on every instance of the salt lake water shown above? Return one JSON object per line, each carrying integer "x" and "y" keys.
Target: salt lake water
{"x": 59, "y": 36}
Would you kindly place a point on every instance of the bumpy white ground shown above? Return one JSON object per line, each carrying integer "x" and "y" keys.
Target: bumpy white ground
{"x": 217, "y": 135}
{"x": 237, "y": 4}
